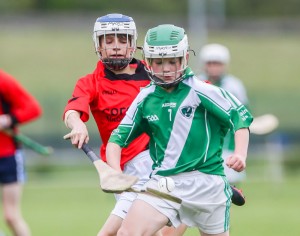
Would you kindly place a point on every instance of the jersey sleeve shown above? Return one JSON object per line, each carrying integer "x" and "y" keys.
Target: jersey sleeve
{"x": 225, "y": 106}
{"x": 132, "y": 125}
{"x": 240, "y": 116}
{"x": 83, "y": 94}
{"x": 23, "y": 107}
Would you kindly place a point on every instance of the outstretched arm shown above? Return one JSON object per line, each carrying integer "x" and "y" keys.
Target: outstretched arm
{"x": 237, "y": 160}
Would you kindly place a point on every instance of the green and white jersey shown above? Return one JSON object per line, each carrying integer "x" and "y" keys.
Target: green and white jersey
{"x": 186, "y": 126}
{"x": 235, "y": 86}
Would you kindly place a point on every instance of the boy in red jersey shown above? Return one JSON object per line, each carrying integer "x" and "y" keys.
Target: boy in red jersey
{"x": 108, "y": 92}
{"x": 17, "y": 107}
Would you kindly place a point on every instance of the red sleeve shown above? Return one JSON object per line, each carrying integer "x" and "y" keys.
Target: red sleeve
{"x": 84, "y": 93}
{"x": 22, "y": 106}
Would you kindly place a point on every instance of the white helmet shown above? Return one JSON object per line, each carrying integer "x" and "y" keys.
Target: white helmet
{"x": 115, "y": 24}
{"x": 166, "y": 41}
{"x": 214, "y": 53}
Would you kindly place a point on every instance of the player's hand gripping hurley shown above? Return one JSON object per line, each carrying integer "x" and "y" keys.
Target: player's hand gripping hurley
{"x": 112, "y": 181}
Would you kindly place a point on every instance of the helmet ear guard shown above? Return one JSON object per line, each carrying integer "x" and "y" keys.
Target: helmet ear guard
{"x": 115, "y": 24}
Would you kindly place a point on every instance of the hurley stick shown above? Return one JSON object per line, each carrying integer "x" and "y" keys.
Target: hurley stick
{"x": 111, "y": 181}
{"x": 30, "y": 143}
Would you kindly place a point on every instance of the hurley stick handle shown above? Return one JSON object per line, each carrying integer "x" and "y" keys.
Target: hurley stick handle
{"x": 89, "y": 152}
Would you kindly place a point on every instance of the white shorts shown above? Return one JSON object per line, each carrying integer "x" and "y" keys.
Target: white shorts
{"x": 233, "y": 176}
{"x": 206, "y": 201}
{"x": 140, "y": 166}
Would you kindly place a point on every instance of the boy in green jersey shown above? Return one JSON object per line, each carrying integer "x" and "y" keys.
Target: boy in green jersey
{"x": 186, "y": 120}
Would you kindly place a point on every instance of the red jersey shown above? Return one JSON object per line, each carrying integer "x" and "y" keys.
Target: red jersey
{"x": 109, "y": 96}
{"x": 21, "y": 106}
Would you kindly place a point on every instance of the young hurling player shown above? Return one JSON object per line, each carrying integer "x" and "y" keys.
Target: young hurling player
{"x": 108, "y": 92}
{"x": 186, "y": 120}
{"x": 17, "y": 107}
{"x": 214, "y": 59}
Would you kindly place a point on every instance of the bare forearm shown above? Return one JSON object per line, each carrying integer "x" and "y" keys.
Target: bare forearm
{"x": 71, "y": 118}
{"x": 241, "y": 143}
{"x": 113, "y": 155}
{"x": 237, "y": 160}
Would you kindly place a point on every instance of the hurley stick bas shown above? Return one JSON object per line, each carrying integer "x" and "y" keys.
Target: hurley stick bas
{"x": 156, "y": 193}
{"x": 264, "y": 124}
{"x": 111, "y": 181}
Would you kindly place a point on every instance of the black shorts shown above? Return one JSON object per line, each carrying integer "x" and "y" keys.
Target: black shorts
{"x": 12, "y": 169}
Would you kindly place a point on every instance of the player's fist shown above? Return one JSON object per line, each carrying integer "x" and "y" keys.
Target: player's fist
{"x": 236, "y": 162}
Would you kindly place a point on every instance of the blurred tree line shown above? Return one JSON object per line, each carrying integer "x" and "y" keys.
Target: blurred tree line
{"x": 233, "y": 8}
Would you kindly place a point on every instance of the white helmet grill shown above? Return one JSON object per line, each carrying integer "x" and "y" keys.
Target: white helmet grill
{"x": 116, "y": 24}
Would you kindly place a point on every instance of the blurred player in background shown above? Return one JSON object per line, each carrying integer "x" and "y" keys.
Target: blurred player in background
{"x": 215, "y": 59}
{"x": 108, "y": 92}
{"x": 17, "y": 107}
{"x": 186, "y": 120}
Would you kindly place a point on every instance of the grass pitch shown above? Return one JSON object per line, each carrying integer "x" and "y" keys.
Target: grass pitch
{"x": 67, "y": 201}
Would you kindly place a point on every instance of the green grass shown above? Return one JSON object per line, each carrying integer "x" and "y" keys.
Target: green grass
{"x": 67, "y": 201}
{"x": 271, "y": 209}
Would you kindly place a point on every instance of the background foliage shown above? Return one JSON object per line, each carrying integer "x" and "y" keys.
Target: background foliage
{"x": 234, "y": 8}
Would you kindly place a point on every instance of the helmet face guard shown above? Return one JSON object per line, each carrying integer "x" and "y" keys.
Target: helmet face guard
{"x": 116, "y": 64}
{"x": 177, "y": 74}
{"x": 117, "y": 25}
{"x": 166, "y": 41}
